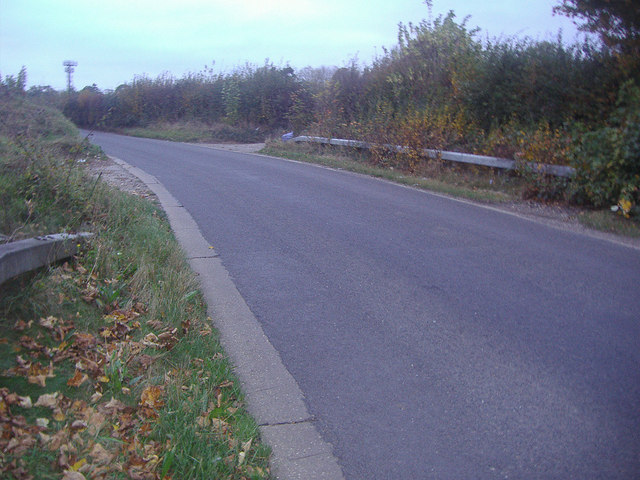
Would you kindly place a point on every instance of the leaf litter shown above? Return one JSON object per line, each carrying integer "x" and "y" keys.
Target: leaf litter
{"x": 88, "y": 428}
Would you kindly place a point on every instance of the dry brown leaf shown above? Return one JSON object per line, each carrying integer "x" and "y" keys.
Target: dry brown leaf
{"x": 21, "y": 325}
{"x": 47, "y": 400}
{"x": 157, "y": 324}
{"x": 246, "y": 446}
{"x": 78, "y": 379}
{"x": 95, "y": 421}
{"x": 151, "y": 400}
{"x": 78, "y": 425}
{"x": 71, "y": 475}
{"x": 19, "y": 445}
{"x": 100, "y": 455}
{"x": 48, "y": 322}
{"x": 58, "y": 416}
{"x": 85, "y": 341}
{"x": 42, "y": 422}
{"x": 38, "y": 380}
{"x": 151, "y": 340}
{"x": 112, "y": 407}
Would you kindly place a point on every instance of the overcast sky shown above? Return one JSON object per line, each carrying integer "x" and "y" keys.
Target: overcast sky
{"x": 116, "y": 39}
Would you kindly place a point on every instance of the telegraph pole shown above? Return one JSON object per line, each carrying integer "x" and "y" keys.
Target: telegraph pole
{"x": 68, "y": 67}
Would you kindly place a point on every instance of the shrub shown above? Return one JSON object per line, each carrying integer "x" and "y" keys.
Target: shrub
{"x": 607, "y": 160}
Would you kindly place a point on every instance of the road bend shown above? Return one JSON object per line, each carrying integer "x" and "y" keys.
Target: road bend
{"x": 432, "y": 338}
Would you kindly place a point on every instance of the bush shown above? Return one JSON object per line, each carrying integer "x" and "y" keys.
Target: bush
{"x": 607, "y": 160}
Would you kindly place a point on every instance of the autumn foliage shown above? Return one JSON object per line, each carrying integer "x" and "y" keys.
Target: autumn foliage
{"x": 442, "y": 86}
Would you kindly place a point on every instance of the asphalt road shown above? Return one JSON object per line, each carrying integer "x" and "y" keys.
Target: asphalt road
{"x": 432, "y": 338}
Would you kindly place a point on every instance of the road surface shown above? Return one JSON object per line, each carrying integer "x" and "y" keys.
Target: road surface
{"x": 432, "y": 338}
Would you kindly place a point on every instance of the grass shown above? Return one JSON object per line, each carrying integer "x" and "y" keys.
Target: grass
{"x": 196, "y": 132}
{"x": 461, "y": 181}
{"x": 109, "y": 367}
{"x": 607, "y": 221}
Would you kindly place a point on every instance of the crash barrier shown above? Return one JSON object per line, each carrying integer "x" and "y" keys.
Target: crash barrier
{"x": 494, "y": 162}
{"x": 26, "y": 255}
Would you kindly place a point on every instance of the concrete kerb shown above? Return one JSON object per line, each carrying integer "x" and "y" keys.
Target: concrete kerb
{"x": 273, "y": 396}
{"x": 23, "y": 256}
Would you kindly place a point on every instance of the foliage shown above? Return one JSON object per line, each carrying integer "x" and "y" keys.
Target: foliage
{"x": 617, "y": 22}
{"x": 259, "y": 97}
{"x": 607, "y": 160}
{"x": 440, "y": 87}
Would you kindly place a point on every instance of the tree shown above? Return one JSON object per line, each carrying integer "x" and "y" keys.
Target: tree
{"x": 617, "y": 22}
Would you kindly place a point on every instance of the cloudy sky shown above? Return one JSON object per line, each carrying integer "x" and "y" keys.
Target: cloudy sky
{"x": 116, "y": 39}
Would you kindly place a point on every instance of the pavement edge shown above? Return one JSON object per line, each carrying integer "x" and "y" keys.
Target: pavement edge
{"x": 273, "y": 396}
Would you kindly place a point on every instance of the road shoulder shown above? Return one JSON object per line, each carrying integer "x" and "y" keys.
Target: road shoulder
{"x": 274, "y": 398}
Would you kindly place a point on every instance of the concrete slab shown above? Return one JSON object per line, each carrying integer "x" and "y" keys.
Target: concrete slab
{"x": 26, "y": 255}
{"x": 302, "y": 453}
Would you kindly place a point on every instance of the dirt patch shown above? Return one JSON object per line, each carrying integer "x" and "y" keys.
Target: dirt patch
{"x": 118, "y": 177}
{"x": 236, "y": 147}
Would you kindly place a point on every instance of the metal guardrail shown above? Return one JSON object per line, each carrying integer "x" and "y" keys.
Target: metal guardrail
{"x": 494, "y": 162}
{"x": 26, "y": 255}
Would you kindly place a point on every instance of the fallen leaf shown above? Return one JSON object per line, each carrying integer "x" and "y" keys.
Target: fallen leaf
{"x": 78, "y": 425}
{"x": 21, "y": 325}
{"x": 157, "y": 324}
{"x": 47, "y": 400}
{"x": 78, "y": 379}
{"x": 58, "y": 416}
{"x": 38, "y": 380}
{"x": 246, "y": 446}
{"x": 79, "y": 464}
{"x": 19, "y": 445}
{"x": 100, "y": 455}
{"x": 151, "y": 400}
{"x": 95, "y": 397}
{"x": 85, "y": 341}
{"x": 42, "y": 422}
{"x": 112, "y": 407}
{"x": 25, "y": 402}
{"x": 71, "y": 475}
{"x": 151, "y": 340}
{"x": 48, "y": 322}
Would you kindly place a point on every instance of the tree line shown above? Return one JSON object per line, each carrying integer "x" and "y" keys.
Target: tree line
{"x": 441, "y": 86}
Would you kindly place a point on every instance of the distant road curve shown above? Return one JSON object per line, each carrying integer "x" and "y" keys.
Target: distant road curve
{"x": 432, "y": 338}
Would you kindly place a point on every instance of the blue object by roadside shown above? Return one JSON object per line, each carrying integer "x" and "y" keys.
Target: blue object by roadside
{"x": 287, "y": 136}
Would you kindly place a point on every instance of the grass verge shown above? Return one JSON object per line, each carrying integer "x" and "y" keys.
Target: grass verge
{"x": 109, "y": 367}
{"x": 462, "y": 181}
{"x": 196, "y": 132}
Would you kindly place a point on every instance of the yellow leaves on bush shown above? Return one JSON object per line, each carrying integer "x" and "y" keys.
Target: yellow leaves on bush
{"x": 544, "y": 145}
{"x": 623, "y": 207}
